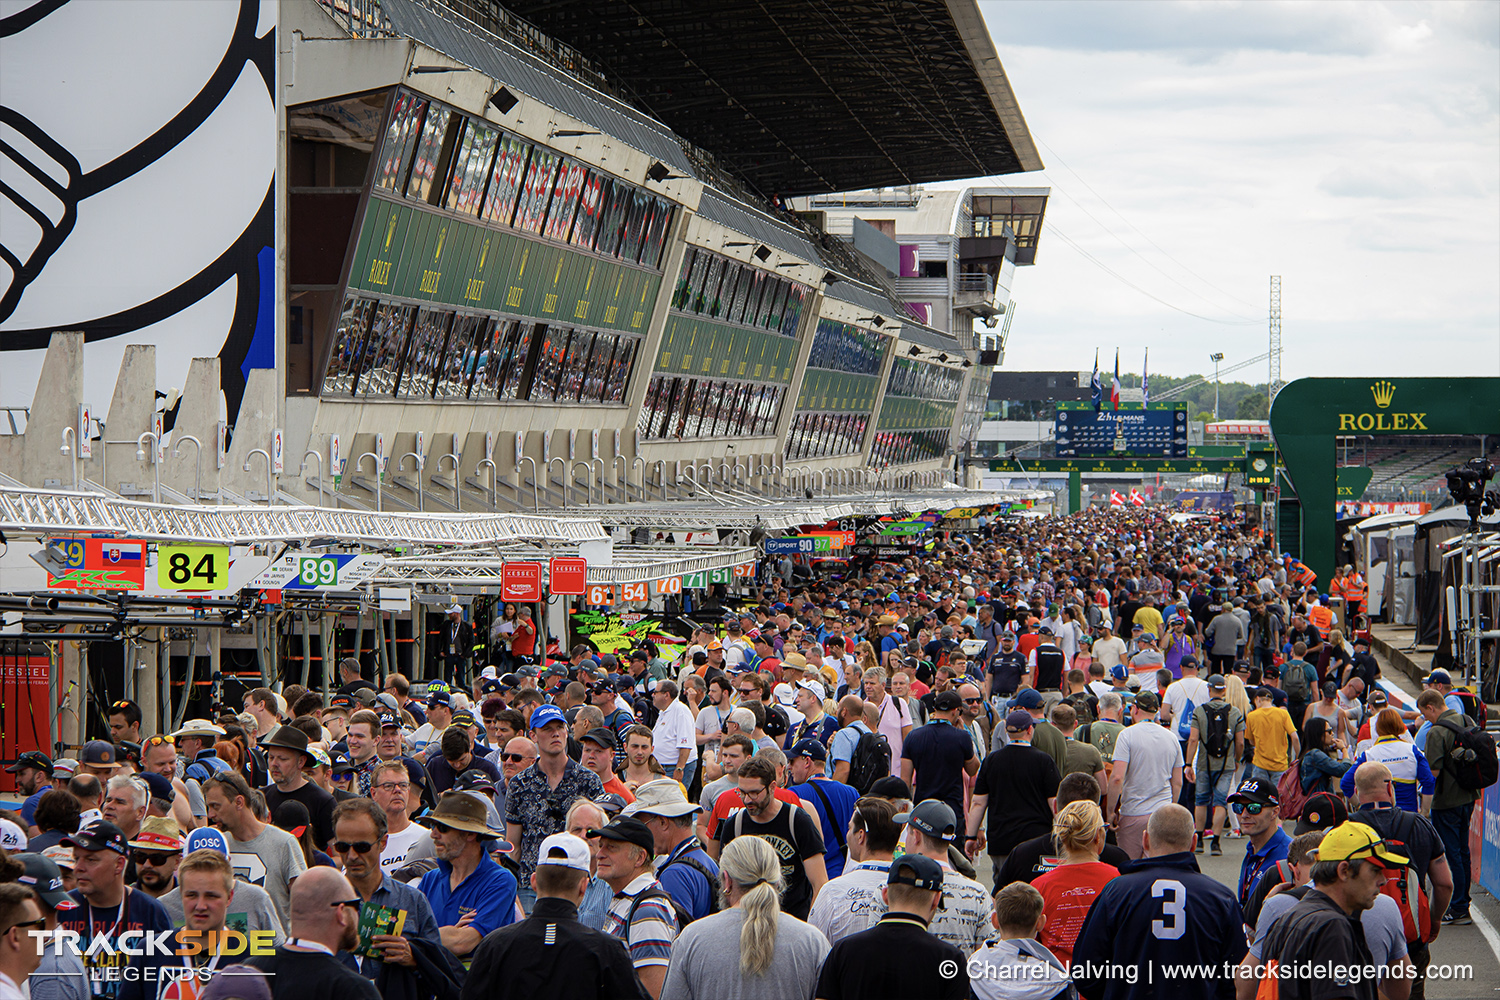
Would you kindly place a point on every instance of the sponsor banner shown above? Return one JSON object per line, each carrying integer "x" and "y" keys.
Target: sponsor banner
{"x": 97, "y": 564}
{"x": 1205, "y": 500}
{"x": 1487, "y": 859}
{"x": 521, "y": 581}
{"x": 341, "y": 571}
{"x": 789, "y": 546}
{"x": 568, "y": 575}
{"x": 27, "y": 714}
{"x": 905, "y": 528}
{"x": 1369, "y": 508}
{"x": 619, "y": 632}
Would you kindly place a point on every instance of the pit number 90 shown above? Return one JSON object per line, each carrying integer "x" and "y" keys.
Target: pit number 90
{"x": 192, "y": 567}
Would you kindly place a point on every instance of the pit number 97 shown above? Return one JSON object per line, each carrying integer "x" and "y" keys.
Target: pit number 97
{"x": 192, "y": 567}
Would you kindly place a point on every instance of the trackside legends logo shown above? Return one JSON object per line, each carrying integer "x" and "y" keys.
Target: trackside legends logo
{"x": 179, "y": 943}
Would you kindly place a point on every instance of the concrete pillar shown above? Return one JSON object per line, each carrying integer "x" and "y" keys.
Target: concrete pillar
{"x": 252, "y": 429}
{"x": 132, "y": 410}
{"x": 55, "y": 406}
{"x": 198, "y": 416}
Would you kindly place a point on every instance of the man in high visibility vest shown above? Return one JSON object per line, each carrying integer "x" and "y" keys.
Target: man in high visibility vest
{"x": 1349, "y": 585}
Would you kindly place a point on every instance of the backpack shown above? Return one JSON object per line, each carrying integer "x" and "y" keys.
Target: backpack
{"x": 1216, "y": 740}
{"x": 1185, "y": 721}
{"x": 1404, "y": 885}
{"x": 1294, "y": 680}
{"x": 1289, "y": 792}
{"x": 871, "y": 761}
{"x": 714, "y": 903}
{"x": 654, "y": 892}
{"x": 1472, "y": 758}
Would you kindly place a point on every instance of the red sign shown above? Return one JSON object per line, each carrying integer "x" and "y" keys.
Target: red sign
{"x": 521, "y": 582}
{"x": 568, "y": 575}
{"x": 97, "y": 564}
{"x": 28, "y": 710}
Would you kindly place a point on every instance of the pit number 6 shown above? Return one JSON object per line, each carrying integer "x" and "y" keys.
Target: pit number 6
{"x": 1173, "y": 910}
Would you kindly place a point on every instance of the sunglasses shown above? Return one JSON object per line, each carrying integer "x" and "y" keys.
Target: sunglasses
{"x": 973, "y": 701}
{"x": 39, "y": 922}
{"x": 358, "y": 846}
{"x": 156, "y": 741}
{"x": 1253, "y": 808}
{"x": 355, "y": 902}
{"x": 151, "y": 858}
{"x": 515, "y": 758}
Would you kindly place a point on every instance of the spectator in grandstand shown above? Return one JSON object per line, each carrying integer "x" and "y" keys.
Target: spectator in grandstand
{"x": 1188, "y": 919}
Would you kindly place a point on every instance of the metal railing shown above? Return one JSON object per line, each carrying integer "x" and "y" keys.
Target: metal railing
{"x": 979, "y": 283}
{"x": 361, "y": 18}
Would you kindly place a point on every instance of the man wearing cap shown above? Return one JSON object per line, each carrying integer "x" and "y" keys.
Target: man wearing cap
{"x": 832, "y": 800}
{"x": 195, "y": 741}
{"x": 1147, "y": 773}
{"x": 252, "y": 909}
{"x": 963, "y": 919}
{"x": 673, "y": 737}
{"x": 155, "y": 851}
{"x": 602, "y": 696}
{"x": 537, "y": 799}
{"x": 1256, "y": 803}
{"x": 455, "y": 642}
{"x": 1017, "y": 785}
{"x": 1271, "y": 732}
{"x": 33, "y": 771}
{"x": 935, "y": 757}
{"x": 1322, "y": 935}
{"x": 1452, "y": 803}
{"x": 469, "y": 893}
{"x": 99, "y": 758}
{"x": 286, "y": 756}
{"x": 389, "y": 747}
{"x": 61, "y": 975}
{"x": 1161, "y": 911}
{"x": 439, "y": 717}
{"x": 1213, "y": 722}
{"x": 550, "y": 954}
{"x": 685, "y": 870}
{"x": 641, "y": 914}
{"x": 598, "y": 755}
{"x": 107, "y": 908}
{"x": 899, "y": 957}
{"x": 1146, "y": 660}
{"x": 807, "y": 699}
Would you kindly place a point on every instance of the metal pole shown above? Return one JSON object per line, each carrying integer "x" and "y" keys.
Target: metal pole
{"x": 319, "y": 456}
{"x": 401, "y": 463}
{"x": 379, "y": 499}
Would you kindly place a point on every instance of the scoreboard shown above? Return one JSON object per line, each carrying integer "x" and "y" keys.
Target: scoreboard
{"x": 1156, "y": 432}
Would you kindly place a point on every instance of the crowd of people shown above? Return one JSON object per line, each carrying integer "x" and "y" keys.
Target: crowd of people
{"x": 796, "y": 805}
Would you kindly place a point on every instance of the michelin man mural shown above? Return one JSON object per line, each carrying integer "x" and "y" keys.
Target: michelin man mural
{"x": 137, "y": 154}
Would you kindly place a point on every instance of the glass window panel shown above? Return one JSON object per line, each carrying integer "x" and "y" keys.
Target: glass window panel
{"x": 684, "y": 288}
{"x": 613, "y": 219}
{"x": 702, "y": 264}
{"x": 458, "y": 361}
{"x": 700, "y": 423}
{"x": 682, "y": 404}
{"x": 752, "y": 304}
{"x": 656, "y": 236}
{"x": 712, "y": 305}
{"x": 387, "y": 344}
{"x": 564, "y": 200}
{"x": 741, "y": 292}
{"x": 713, "y": 422}
{"x": 744, "y": 405}
{"x": 348, "y": 346}
{"x": 665, "y": 397}
{"x": 643, "y": 422}
{"x": 595, "y": 383}
{"x": 771, "y": 286}
{"x": 428, "y": 338}
{"x": 763, "y": 410}
{"x": 791, "y": 313}
{"x": 590, "y": 192}
{"x": 405, "y": 125}
{"x": 537, "y": 190}
{"x": 775, "y": 302}
{"x": 429, "y": 149}
{"x": 635, "y": 225}
{"x": 471, "y": 167}
{"x": 515, "y": 361}
{"x": 490, "y": 346}
{"x": 732, "y": 410}
{"x": 576, "y": 368}
{"x": 505, "y": 179}
{"x": 549, "y": 364}
{"x": 619, "y": 370}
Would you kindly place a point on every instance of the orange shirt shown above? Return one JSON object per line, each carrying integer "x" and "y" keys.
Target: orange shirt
{"x": 1067, "y": 893}
{"x": 729, "y": 800}
{"x": 618, "y": 787}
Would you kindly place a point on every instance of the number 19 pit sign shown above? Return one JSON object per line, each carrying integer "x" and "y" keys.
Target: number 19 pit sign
{"x": 318, "y": 572}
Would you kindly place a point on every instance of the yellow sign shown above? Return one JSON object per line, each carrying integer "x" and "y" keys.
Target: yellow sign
{"x": 192, "y": 567}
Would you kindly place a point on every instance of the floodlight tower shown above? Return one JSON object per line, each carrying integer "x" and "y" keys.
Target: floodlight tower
{"x": 1273, "y": 376}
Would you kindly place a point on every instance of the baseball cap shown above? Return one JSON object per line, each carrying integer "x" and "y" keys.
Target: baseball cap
{"x": 1027, "y": 698}
{"x": 439, "y": 697}
{"x": 42, "y": 874}
{"x": 60, "y": 856}
{"x": 816, "y": 687}
{"x": 64, "y": 767}
{"x": 1148, "y": 701}
{"x": 917, "y": 870}
{"x": 1256, "y": 790}
{"x": 564, "y": 850}
{"x": 602, "y": 736}
{"x": 463, "y": 717}
{"x": 1118, "y": 672}
{"x": 545, "y": 714}
{"x": 631, "y": 831}
{"x": 933, "y": 817}
{"x": 1322, "y": 811}
{"x": 1217, "y": 682}
{"x": 946, "y": 701}
{"x": 453, "y": 609}
{"x": 388, "y": 719}
{"x": 99, "y": 835}
{"x": 1351, "y": 841}
{"x": 97, "y": 753}
{"x": 1378, "y": 698}
{"x": 1018, "y": 721}
{"x": 1438, "y": 677}
{"x": 489, "y": 686}
{"x": 12, "y": 837}
{"x": 474, "y": 780}
{"x": 890, "y": 787}
{"x": 1262, "y": 692}
{"x": 159, "y": 784}
{"x": 32, "y": 758}
{"x": 341, "y": 764}
{"x": 808, "y": 748}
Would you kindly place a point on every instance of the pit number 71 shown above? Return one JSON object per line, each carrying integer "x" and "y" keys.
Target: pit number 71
{"x": 192, "y": 567}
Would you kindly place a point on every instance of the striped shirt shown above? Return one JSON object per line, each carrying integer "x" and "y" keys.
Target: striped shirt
{"x": 652, "y": 929}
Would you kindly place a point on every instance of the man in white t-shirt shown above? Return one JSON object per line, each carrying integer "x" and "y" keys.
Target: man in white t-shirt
{"x": 390, "y": 787}
{"x": 1108, "y": 648}
{"x": 1147, "y": 773}
{"x": 439, "y": 717}
{"x": 673, "y": 737}
{"x": 711, "y": 718}
{"x": 1182, "y": 696}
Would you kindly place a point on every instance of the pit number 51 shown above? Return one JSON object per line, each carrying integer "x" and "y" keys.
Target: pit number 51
{"x": 192, "y": 567}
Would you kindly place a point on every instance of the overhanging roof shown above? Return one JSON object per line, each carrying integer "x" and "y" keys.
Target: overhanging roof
{"x": 804, "y": 97}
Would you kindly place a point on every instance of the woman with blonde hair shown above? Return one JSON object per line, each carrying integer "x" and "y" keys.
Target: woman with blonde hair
{"x": 1068, "y": 890}
{"x": 750, "y": 950}
{"x": 864, "y": 653}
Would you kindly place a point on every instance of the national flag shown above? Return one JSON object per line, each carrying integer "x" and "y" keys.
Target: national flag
{"x": 1114, "y": 387}
{"x": 1115, "y": 499}
{"x": 1096, "y": 388}
{"x": 1145, "y": 386}
{"x": 1136, "y": 498}
{"x": 121, "y": 553}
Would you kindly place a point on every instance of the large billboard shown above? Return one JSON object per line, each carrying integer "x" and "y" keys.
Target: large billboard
{"x": 137, "y": 204}
{"x": 1086, "y": 433}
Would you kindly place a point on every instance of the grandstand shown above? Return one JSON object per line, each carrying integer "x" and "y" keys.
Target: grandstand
{"x": 1414, "y": 469}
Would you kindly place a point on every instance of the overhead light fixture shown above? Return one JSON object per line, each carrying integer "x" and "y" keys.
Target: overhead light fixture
{"x": 790, "y": 263}
{"x": 739, "y": 243}
{"x": 434, "y": 69}
{"x": 503, "y": 100}
{"x": 968, "y": 363}
{"x": 762, "y": 253}
{"x": 877, "y": 320}
{"x": 659, "y": 171}
{"x": 915, "y": 350}
{"x": 943, "y": 358}
{"x": 562, "y": 132}
{"x": 830, "y": 278}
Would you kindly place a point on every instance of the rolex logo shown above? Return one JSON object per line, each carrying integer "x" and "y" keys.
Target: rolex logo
{"x": 1383, "y": 391}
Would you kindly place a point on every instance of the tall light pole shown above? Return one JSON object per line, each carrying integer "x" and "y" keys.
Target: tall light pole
{"x": 1216, "y": 358}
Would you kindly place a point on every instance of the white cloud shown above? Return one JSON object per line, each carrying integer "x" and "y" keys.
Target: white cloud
{"x": 1354, "y": 149}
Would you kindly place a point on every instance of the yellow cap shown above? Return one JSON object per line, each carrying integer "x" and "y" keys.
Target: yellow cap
{"x": 1355, "y": 842}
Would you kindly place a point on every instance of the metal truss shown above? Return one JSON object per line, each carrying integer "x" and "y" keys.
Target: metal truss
{"x": 24, "y": 511}
{"x": 630, "y": 564}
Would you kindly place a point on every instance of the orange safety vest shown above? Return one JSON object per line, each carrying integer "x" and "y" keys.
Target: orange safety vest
{"x": 1321, "y": 617}
{"x": 1354, "y": 588}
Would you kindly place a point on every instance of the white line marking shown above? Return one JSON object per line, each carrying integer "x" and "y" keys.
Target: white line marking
{"x": 1487, "y": 929}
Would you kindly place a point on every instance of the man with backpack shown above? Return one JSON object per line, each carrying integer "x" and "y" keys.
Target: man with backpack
{"x": 857, "y": 752}
{"x": 1413, "y": 836}
{"x": 1462, "y": 756}
{"x": 686, "y": 871}
{"x": 831, "y": 801}
{"x": 1215, "y": 746}
{"x": 1299, "y": 679}
{"x": 643, "y": 914}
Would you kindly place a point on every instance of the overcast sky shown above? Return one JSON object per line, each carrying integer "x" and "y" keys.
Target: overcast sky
{"x": 1352, "y": 148}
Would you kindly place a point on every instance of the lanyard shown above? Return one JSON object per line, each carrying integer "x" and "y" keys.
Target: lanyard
{"x": 119, "y": 917}
{"x": 310, "y": 945}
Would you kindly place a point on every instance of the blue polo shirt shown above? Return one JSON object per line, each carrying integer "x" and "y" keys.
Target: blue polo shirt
{"x": 1257, "y": 863}
{"x": 28, "y": 808}
{"x": 685, "y": 883}
{"x": 490, "y": 891}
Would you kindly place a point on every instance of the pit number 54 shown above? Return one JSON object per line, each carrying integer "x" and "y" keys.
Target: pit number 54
{"x": 192, "y": 567}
